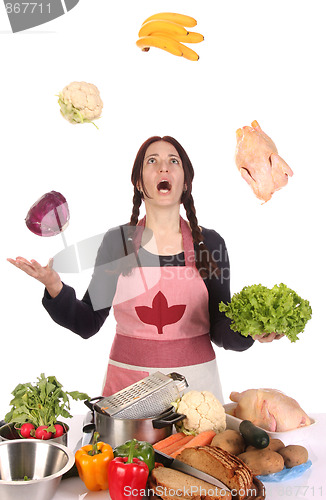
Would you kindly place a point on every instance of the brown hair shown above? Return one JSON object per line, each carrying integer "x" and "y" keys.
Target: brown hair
{"x": 204, "y": 261}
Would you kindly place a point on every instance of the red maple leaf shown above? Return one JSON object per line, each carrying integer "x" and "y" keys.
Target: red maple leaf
{"x": 160, "y": 314}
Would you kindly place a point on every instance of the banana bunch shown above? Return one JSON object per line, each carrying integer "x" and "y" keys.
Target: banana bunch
{"x": 166, "y": 30}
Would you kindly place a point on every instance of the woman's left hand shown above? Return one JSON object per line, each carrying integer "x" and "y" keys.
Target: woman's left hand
{"x": 268, "y": 337}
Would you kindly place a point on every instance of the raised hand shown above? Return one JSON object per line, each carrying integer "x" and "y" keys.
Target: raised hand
{"x": 45, "y": 274}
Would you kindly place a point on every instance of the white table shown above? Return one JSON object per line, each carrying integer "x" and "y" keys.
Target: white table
{"x": 310, "y": 486}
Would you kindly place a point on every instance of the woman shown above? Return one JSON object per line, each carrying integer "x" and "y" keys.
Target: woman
{"x": 164, "y": 278}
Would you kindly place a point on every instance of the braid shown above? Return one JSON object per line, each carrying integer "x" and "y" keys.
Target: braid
{"x": 137, "y": 201}
{"x": 191, "y": 215}
{"x": 204, "y": 261}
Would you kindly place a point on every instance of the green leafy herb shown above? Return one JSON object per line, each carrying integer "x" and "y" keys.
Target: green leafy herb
{"x": 42, "y": 403}
{"x": 258, "y": 309}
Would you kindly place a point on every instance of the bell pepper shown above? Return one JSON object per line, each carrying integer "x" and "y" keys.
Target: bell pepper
{"x": 92, "y": 463}
{"x": 142, "y": 450}
{"x": 127, "y": 476}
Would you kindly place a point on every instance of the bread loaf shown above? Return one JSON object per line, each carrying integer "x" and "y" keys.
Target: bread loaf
{"x": 222, "y": 465}
{"x": 170, "y": 484}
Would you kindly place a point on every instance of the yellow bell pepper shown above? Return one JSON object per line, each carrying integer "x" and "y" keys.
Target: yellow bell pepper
{"x": 92, "y": 462}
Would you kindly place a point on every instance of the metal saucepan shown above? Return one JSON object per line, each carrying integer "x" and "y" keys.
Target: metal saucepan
{"x": 8, "y": 432}
{"x": 116, "y": 431}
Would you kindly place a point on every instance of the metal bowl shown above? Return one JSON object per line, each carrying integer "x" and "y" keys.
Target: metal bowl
{"x": 32, "y": 469}
{"x": 8, "y": 431}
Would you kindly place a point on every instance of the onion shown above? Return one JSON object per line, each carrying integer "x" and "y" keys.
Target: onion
{"x": 49, "y": 215}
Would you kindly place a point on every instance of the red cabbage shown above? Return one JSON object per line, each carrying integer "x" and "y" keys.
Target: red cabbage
{"x": 49, "y": 215}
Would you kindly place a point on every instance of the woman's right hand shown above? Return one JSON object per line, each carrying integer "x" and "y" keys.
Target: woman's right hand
{"x": 46, "y": 275}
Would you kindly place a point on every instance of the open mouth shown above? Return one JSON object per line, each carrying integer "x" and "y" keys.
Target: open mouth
{"x": 164, "y": 186}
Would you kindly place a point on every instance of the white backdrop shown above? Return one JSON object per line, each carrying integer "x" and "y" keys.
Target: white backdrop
{"x": 262, "y": 60}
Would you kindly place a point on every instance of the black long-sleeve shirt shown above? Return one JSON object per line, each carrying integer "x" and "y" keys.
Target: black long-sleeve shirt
{"x": 85, "y": 317}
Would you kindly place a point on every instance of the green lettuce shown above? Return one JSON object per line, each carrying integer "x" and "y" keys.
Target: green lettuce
{"x": 257, "y": 309}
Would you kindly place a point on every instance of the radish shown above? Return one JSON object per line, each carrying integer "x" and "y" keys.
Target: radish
{"x": 42, "y": 432}
{"x": 26, "y": 430}
{"x": 59, "y": 430}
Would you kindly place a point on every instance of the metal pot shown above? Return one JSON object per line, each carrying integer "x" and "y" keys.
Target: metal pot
{"x": 8, "y": 432}
{"x": 116, "y": 431}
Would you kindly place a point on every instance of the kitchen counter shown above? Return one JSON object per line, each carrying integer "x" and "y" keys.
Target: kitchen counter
{"x": 310, "y": 486}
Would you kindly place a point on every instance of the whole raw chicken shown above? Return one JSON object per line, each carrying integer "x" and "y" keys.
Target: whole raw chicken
{"x": 270, "y": 409}
{"x": 259, "y": 163}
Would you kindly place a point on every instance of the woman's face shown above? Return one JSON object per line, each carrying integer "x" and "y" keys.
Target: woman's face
{"x": 163, "y": 174}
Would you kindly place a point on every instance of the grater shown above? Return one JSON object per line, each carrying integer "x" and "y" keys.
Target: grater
{"x": 148, "y": 397}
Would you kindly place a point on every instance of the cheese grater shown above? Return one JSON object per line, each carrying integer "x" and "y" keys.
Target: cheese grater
{"x": 148, "y": 397}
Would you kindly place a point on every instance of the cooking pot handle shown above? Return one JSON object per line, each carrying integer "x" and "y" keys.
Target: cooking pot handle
{"x": 88, "y": 424}
{"x": 173, "y": 418}
{"x": 89, "y": 403}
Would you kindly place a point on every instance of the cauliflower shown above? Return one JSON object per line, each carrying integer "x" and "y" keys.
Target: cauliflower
{"x": 203, "y": 412}
{"x": 80, "y": 102}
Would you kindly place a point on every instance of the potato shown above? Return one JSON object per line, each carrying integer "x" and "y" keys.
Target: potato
{"x": 274, "y": 445}
{"x": 229, "y": 440}
{"x": 293, "y": 455}
{"x": 262, "y": 462}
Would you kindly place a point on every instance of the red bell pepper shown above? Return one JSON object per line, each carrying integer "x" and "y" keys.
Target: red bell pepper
{"x": 127, "y": 477}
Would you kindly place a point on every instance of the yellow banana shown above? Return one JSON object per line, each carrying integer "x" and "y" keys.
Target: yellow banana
{"x": 189, "y": 53}
{"x": 162, "y": 27}
{"x": 174, "y": 17}
{"x": 169, "y": 44}
{"x": 191, "y": 37}
{"x": 161, "y": 42}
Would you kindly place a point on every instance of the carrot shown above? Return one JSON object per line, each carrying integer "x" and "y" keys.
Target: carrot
{"x": 168, "y": 441}
{"x": 202, "y": 439}
{"x": 175, "y": 446}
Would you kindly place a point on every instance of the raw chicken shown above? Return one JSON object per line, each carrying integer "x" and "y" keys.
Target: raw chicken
{"x": 270, "y": 409}
{"x": 259, "y": 163}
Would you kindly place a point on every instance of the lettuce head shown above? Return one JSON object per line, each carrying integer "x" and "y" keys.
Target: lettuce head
{"x": 257, "y": 309}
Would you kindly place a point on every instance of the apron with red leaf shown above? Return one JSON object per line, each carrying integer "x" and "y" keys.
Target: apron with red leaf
{"x": 162, "y": 324}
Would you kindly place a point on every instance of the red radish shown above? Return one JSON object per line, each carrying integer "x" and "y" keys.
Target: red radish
{"x": 26, "y": 430}
{"x": 59, "y": 430}
{"x": 42, "y": 432}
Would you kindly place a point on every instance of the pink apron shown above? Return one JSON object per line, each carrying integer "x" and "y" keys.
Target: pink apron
{"x": 162, "y": 324}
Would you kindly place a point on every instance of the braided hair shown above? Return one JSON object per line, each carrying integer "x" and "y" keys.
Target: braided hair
{"x": 204, "y": 261}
